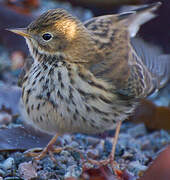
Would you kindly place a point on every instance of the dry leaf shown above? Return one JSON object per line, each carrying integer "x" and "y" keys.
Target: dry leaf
{"x": 154, "y": 117}
{"x": 104, "y": 173}
{"x": 159, "y": 169}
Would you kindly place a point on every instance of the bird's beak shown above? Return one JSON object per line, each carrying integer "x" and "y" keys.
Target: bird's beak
{"x": 20, "y": 31}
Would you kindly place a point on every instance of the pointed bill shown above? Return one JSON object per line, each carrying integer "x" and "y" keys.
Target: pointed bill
{"x": 20, "y": 31}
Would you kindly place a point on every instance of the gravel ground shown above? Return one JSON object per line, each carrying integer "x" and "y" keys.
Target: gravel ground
{"x": 136, "y": 148}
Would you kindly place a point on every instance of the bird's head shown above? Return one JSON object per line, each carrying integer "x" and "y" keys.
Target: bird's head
{"x": 54, "y": 31}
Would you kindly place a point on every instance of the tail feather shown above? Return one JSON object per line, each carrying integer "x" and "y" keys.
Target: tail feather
{"x": 154, "y": 59}
{"x": 136, "y": 17}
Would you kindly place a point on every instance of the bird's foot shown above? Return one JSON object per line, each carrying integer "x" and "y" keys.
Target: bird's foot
{"x": 109, "y": 161}
{"x": 39, "y": 153}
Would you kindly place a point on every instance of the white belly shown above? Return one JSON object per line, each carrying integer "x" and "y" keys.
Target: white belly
{"x": 54, "y": 103}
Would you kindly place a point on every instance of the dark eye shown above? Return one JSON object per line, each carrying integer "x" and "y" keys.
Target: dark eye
{"x": 46, "y": 36}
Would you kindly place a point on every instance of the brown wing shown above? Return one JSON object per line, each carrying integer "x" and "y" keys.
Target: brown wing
{"x": 116, "y": 60}
{"x": 111, "y": 39}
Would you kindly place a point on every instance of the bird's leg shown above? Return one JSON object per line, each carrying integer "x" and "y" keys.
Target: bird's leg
{"x": 110, "y": 160}
{"x": 48, "y": 149}
{"x": 114, "y": 142}
{"x": 39, "y": 153}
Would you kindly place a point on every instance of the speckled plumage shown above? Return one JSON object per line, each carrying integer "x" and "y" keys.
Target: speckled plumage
{"x": 87, "y": 79}
{"x": 88, "y": 76}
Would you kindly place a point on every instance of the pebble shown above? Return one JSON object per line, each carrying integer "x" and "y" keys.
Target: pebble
{"x": 5, "y": 118}
{"x": 27, "y": 171}
{"x": 65, "y": 153}
{"x": 1, "y": 157}
{"x": 93, "y": 153}
{"x": 73, "y": 171}
{"x": 47, "y": 164}
{"x": 65, "y": 140}
{"x": 108, "y": 145}
{"x": 19, "y": 157}
{"x": 93, "y": 141}
{"x": 2, "y": 173}
{"x": 127, "y": 155}
{"x": 12, "y": 178}
{"x": 136, "y": 167}
{"x": 139, "y": 130}
{"x": 74, "y": 144}
{"x": 7, "y": 164}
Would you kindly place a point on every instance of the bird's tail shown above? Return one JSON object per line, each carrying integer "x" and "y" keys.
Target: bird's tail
{"x": 157, "y": 63}
{"x": 138, "y": 16}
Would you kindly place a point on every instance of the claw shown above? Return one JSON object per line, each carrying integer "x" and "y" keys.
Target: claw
{"x": 110, "y": 160}
{"x": 33, "y": 152}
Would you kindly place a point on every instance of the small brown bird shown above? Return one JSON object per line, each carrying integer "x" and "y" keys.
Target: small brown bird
{"x": 88, "y": 78}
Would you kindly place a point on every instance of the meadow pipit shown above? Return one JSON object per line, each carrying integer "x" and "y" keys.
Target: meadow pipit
{"x": 87, "y": 78}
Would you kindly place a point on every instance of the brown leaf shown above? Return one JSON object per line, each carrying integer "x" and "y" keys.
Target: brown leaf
{"x": 104, "y": 173}
{"x": 154, "y": 117}
{"x": 159, "y": 169}
{"x": 97, "y": 174}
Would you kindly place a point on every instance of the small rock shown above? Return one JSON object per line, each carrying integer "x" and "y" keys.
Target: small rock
{"x": 19, "y": 157}
{"x": 108, "y": 145}
{"x": 1, "y": 157}
{"x": 92, "y": 141}
{"x": 74, "y": 144}
{"x": 100, "y": 146}
{"x": 93, "y": 153}
{"x": 73, "y": 171}
{"x": 43, "y": 174}
{"x": 7, "y": 164}
{"x": 12, "y": 178}
{"x": 17, "y": 58}
{"x": 2, "y": 173}
{"x": 47, "y": 164}
{"x": 66, "y": 139}
{"x": 65, "y": 153}
{"x": 136, "y": 167}
{"x": 27, "y": 171}
{"x": 139, "y": 130}
{"x": 127, "y": 155}
{"x": 5, "y": 118}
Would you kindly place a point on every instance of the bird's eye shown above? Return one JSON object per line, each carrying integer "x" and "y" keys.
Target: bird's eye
{"x": 46, "y": 36}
